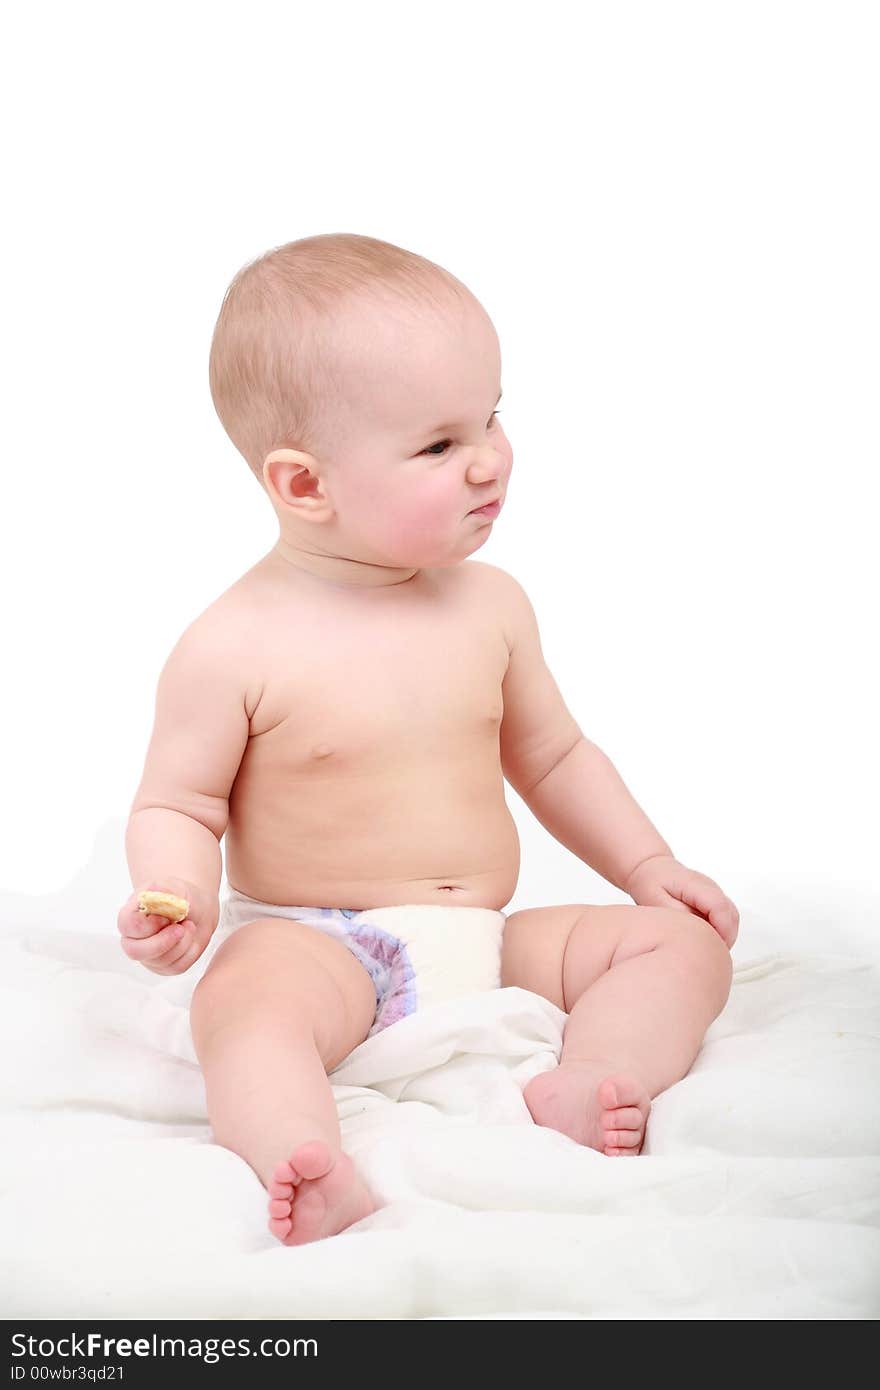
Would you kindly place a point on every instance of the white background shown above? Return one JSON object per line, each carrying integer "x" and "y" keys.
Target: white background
{"x": 671, "y": 214}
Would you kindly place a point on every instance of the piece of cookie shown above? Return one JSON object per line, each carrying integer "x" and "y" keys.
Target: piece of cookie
{"x": 163, "y": 905}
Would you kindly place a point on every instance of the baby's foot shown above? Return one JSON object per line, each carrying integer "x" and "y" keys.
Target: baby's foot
{"x": 604, "y": 1111}
{"x": 313, "y": 1195}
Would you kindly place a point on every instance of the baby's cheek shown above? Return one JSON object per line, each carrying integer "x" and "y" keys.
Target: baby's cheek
{"x": 410, "y": 528}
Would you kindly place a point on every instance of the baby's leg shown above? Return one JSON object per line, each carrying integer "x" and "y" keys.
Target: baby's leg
{"x": 641, "y": 986}
{"x": 279, "y": 1006}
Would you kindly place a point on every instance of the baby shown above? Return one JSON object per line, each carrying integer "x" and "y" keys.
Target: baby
{"x": 346, "y": 714}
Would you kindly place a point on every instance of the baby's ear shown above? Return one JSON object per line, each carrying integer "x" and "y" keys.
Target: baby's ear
{"x": 291, "y": 477}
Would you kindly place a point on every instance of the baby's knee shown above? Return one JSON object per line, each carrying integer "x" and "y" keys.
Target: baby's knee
{"x": 239, "y": 987}
{"x": 703, "y": 952}
{"x": 213, "y": 1006}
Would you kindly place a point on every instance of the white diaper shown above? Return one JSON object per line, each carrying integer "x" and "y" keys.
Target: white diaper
{"x": 415, "y": 955}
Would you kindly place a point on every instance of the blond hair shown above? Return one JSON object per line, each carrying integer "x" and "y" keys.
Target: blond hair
{"x": 271, "y": 366}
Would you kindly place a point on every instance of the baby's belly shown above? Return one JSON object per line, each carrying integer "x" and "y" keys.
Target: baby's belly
{"x": 435, "y": 836}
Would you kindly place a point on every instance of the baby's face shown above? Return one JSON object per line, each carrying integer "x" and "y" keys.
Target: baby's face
{"x": 418, "y": 445}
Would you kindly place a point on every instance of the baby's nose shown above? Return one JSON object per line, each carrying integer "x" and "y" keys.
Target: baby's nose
{"x": 485, "y": 466}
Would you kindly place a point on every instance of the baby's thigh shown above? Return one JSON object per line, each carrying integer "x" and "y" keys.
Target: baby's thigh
{"x": 280, "y": 974}
{"x": 561, "y": 951}
{"x": 541, "y": 950}
{"x": 533, "y": 949}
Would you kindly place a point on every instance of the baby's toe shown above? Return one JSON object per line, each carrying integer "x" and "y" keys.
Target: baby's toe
{"x": 618, "y": 1091}
{"x": 285, "y": 1173}
{"x": 623, "y": 1138}
{"x": 626, "y": 1117}
{"x": 313, "y": 1159}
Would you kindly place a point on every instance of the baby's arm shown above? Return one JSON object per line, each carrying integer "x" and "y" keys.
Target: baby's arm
{"x": 181, "y": 808}
{"x": 576, "y": 792}
{"x": 567, "y": 782}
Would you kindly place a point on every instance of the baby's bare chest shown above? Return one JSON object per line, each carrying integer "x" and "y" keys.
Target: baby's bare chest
{"x": 360, "y": 688}
{"x": 372, "y": 772}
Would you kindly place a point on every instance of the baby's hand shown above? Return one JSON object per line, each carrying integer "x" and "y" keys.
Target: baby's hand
{"x": 163, "y": 946}
{"x": 662, "y": 882}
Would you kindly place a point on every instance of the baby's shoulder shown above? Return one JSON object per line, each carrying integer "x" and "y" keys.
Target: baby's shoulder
{"x": 496, "y": 584}
{"x": 508, "y": 599}
{"x": 224, "y": 632}
{"x": 484, "y": 567}
{"x": 220, "y": 646}
{"x": 231, "y": 613}
{"x": 484, "y": 575}
{"x": 497, "y": 592}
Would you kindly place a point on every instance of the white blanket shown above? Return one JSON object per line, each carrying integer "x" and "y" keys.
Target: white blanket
{"x": 756, "y": 1196}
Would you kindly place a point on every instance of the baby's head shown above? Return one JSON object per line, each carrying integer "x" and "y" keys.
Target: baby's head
{"x": 360, "y": 382}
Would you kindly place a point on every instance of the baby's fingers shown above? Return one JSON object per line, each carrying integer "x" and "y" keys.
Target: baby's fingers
{"x": 725, "y": 920}
{"x": 152, "y": 948}
{"x": 137, "y": 925}
{"x": 181, "y": 956}
{"x": 134, "y": 922}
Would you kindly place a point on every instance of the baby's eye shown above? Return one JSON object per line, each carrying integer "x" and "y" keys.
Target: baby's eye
{"x": 442, "y": 443}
